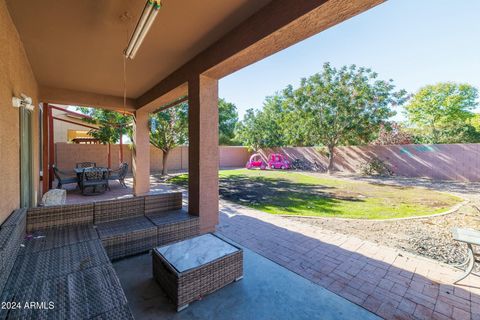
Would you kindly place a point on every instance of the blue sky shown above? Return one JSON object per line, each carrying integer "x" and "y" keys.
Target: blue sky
{"x": 413, "y": 42}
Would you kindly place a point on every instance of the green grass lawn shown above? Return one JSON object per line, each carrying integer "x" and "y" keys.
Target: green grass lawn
{"x": 291, "y": 193}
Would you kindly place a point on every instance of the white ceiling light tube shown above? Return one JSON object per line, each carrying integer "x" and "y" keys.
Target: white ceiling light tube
{"x": 146, "y": 20}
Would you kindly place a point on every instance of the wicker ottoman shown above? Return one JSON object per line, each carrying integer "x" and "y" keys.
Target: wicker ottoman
{"x": 192, "y": 268}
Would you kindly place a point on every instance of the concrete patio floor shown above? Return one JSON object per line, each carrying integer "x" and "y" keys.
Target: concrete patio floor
{"x": 388, "y": 282}
{"x": 267, "y": 291}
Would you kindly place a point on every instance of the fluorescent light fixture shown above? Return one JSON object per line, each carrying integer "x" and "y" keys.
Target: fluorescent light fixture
{"x": 24, "y": 101}
{"x": 143, "y": 25}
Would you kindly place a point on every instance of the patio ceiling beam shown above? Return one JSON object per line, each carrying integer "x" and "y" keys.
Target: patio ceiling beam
{"x": 73, "y": 113}
{"x": 172, "y": 104}
{"x": 87, "y": 99}
{"x": 276, "y": 26}
{"x": 73, "y": 122}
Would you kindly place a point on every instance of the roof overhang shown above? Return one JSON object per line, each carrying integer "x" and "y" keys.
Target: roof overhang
{"x": 75, "y": 47}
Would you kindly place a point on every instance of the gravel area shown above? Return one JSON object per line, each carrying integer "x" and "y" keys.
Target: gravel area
{"x": 430, "y": 237}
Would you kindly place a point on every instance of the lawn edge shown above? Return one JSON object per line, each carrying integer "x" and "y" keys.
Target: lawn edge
{"x": 453, "y": 209}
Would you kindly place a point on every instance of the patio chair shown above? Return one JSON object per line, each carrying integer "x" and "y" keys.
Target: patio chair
{"x": 119, "y": 174}
{"x": 95, "y": 178}
{"x": 64, "y": 177}
{"x": 86, "y": 164}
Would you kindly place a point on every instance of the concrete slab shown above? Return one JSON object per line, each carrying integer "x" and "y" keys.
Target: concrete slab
{"x": 267, "y": 291}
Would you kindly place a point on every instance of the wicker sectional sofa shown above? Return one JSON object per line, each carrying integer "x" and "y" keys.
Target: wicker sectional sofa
{"x": 62, "y": 254}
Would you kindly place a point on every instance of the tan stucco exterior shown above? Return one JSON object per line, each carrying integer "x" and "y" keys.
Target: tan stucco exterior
{"x": 16, "y": 77}
{"x": 61, "y": 128}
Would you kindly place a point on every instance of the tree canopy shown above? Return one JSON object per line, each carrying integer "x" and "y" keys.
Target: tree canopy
{"x": 333, "y": 107}
{"x": 264, "y": 128}
{"x": 111, "y": 124}
{"x": 228, "y": 118}
{"x": 393, "y": 134}
{"x": 169, "y": 129}
{"x": 442, "y": 113}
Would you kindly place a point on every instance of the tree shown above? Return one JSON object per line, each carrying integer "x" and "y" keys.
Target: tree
{"x": 169, "y": 129}
{"x": 440, "y": 113}
{"x": 393, "y": 134}
{"x": 111, "y": 125}
{"x": 264, "y": 128}
{"x": 475, "y": 121}
{"x": 345, "y": 106}
{"x": 227, "y": 118}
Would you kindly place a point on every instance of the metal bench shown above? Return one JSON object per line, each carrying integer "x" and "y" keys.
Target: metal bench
{"x": 470, "y": 238}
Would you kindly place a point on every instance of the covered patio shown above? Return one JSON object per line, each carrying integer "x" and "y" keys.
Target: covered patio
{"x": 72, "y": 53}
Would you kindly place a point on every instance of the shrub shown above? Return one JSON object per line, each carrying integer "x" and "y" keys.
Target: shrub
{"x": 376, "y": 167}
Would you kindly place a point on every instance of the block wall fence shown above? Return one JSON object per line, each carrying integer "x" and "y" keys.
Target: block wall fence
{"x": 460, "y": 162}
{"x": 68, "y": 154}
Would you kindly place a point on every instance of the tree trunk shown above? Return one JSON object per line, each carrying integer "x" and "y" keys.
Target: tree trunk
{"x": 331, "y": 157}
{"x": 165, "y": 159}
{"x": 121, "y": 149}
{"x": 109, "y": 156}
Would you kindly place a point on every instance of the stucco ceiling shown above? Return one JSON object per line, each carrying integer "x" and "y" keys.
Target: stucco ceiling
{"x": 78, "y": 45}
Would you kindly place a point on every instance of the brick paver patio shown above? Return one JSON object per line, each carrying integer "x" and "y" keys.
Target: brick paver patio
{"x": 391, "y": 283}
{"x": 386, "y": 281}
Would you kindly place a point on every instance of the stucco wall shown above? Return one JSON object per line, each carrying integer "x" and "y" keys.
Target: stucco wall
{"x": 61, "y": 128}
{"x": 16, "y": 77}
{"x": 459, "y": 162}
{"x": 68, "y": 154}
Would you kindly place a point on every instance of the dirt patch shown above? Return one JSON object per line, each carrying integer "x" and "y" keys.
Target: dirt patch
{"x": 429, "y": 237}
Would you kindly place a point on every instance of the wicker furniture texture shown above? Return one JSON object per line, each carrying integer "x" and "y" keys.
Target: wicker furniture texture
{"x": 163, "y": 202}
{"x": 174, "y": 226}
{"x": 59, "y": 216}
{"x": 12, "y": 232}
{"x": 64, "y": 177}
{"x": 186, "y": 286}
{"x": 52, "y": 238}
{"x": 127, "y": 237}
{"x": 93, "y": 293}
{"x": 65, "y": 257}
{"x": 126, "y": 228}
{"x": 49, "y": 264}
{"x": 65, "y": 264}
{"x": 119, "y": 174}
{"x": 112, "y": 210}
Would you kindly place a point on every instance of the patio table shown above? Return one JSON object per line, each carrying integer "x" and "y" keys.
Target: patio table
{"x": 471, "y": 238}
{"x": 189, "y": 269}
